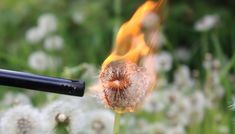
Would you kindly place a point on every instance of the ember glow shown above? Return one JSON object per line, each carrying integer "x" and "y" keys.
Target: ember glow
{"x": 127, "y": 75}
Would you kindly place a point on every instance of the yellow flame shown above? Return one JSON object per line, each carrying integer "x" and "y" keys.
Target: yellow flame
{"x": 130, "y": 43}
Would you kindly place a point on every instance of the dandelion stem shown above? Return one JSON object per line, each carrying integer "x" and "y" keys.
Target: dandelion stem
{"x": 116, "y": 123}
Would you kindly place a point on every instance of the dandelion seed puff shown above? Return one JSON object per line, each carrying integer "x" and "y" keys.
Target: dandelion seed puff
{"x": 38, "y": 61}
{"x": 54, "y": 43}
{"x": 200, "y": 104}
{"x": 94, "y": 122}
{"x": 78, "y": 17}
{"x": 47, "y": 23}
{"x": 59, "y": 111}
{"x": 159, "y": 128}
{"x": 206, "y": 23}
{"x": 176, "y": 130}
{"x": 23, "y": 120}
{"x": 87, "y": 103}
{"x": 163, "y": 61}
{"x": 182, "y": 77}
{"x": 34, "y": 35}
{"x": 155, "y": 103}
{"x": 15, "y": 99}
{"x": 138, "y": 126}
{"x": 125, "y": 85}
{"x": 54, "y": 62}
{"x": 182, "y": 54}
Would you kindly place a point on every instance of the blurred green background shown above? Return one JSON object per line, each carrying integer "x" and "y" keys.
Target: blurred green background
{"x": 84, "y": 32}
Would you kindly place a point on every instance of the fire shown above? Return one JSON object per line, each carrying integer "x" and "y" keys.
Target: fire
{"x": 130, "y": 42}
{"x": 127, "y": 75}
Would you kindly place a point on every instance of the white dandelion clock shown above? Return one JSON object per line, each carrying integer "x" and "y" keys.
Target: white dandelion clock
{"x": 94, "y": 122}
{"x": 163, "y": 61}
{"x": 47, "y": 23}
{"x": 182, "y": 78}
{"x": 55, "y": 42}
{"x": 198, "y": 100}
{"x": 23, "y": 120}
{"x": 34, "y": 35}
{"x": 38, "y": 61}
{"x": 54, "y": 62}
{"x": 206, "y": 23}
{"x": 88, "y": 103}
{"x": 138, "y": 126}
{"x": 160, "y": 128}
{"x": 155, "y": 103}
{"x": 11, "y": 99}
{"x": 78, "y": 17}
{"x": 182, "y": 54}
{"x": 176, "y": 130}
{"x": 59, "y": 112}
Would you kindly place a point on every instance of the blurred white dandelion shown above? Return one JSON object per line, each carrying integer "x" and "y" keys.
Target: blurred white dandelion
{"x": 54, "y": 42}
{"x": 182, "y": 54}
{"x": 47, "y": 23}
{"x": 34, "y": 35}
{"x": 54, "y": 62}
{"x": 78, "y": 17}
{"x": 176, "y": 130}
{"x": 11, "y": 99}
{"x": 159, "y": 128}
{"x": 38, "y": 61}
{"x": 98, "y": 121}
{"x": 138, "y": 126}
{"x": 182, "y": 78}
{"x": 206, "y": 23}
{"x": 23, "y": 120}
{"x": 60, "y": 111}
{"x": 155, "y": 103}
{"x": 88, "y": 103}
{"x": 163, "y": 61}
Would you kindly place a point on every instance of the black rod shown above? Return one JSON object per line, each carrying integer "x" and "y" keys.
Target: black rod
{"x": 42, "y": 83}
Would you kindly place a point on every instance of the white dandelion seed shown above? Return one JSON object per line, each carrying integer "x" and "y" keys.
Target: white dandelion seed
{"x": 34, "y": 35}
{"x": 54, "y": 62}
{"x": 163, "y": 61}
{"x": 47, "y": 23}
{"x": 207, "y": 63}
{"x": 23, "y": 120}
{"x": 176, "y": 130}
{"x": 155, "y": 103}
{"x": 223, "y": 129}
{"x": 206, "y": 23}
{"x": 38, "y": 61}
{"x": 182, "y": 77}
{"x": 159, "y": 128}
{"x": 198, "y": 100}
{"x": 78, "y": 17}
{"x": 138, "y": 126}
{"x": 182, "y": 54}
{"x": 15, "y": 99}
{"x": 54, "y": 42}
{"x": 94, "y": 122}
{"x": 179, "y": 112}
{"x": 88, "y": 103}
{"x": 59, "y": 111}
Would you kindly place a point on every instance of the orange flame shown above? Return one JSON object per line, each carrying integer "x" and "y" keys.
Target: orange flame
{"x": 130, "y": 42}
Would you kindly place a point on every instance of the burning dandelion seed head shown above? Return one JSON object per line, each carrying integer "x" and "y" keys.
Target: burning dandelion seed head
{"x": 125, "y": 85}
